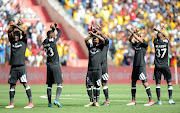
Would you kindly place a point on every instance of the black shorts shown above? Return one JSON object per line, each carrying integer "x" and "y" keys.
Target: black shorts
{"x": 158, "y": 71}
{"x": 139, "y": 73}
{"x": 18, "y": 72}
{"x": 105, "y": 75}
{"x": 93, "y": 78}
{"x": 54, "y": 74}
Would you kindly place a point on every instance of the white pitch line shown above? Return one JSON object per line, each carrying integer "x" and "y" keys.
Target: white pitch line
{"x": 43, "y": 96}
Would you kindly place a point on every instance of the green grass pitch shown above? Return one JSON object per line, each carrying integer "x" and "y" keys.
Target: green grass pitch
{"x": 74, "y": 97}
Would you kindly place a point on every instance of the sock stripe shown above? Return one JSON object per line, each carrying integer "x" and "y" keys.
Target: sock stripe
{"x": 158, "y": 86}
{"x": 98, "y": 88}
{"x": 28, "y": 87}
{"x": 94, "y": 87}
{"x": 133, "y": 87}
{"x": 12, "y": 89}
{"x": 170, "y": 88}
{"x": 60, "y": 86}
{"x": 105, "y": 87}
{"x": 49, "y": 87}
{"x": 89, "y": 89}
{"x": 147, "y": 87}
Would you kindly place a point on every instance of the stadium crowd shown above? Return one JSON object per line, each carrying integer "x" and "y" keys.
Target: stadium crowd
{"x": 35, "y": 55}
{"x": 120, "y": 15}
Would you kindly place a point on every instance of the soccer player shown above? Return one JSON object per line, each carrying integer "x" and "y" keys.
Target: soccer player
{"x": 139, "y": 66}
{"x": 94, "y": 73}
{"x": 161, "y": 64}
{"x": 54, "y": 74}
{"x": 105, "y": 76}
{"x": 18, "y": 68}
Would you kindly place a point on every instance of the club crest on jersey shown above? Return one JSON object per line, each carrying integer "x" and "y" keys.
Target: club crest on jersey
{"x": 16, "y": 45}
{"x": 94, "y": 51}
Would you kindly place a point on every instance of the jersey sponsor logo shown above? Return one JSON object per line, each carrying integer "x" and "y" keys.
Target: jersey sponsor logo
{"x": 136, "y": 48}
{"x": 94, "y": 52}
{"x": 46, "y": 45}
{"x": 142, "y": 76}
{"x": 16, "y": 45}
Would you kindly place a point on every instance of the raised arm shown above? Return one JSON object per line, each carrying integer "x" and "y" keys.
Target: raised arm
{"x": 136, "y": 36}
{"x": 155, "y": 29}
{"x": 20, "y": 28}
{"x": 87, "y": 40}
{"x": 100, "y": 38}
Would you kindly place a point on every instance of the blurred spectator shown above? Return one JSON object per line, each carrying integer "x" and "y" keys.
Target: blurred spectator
{"x": 39, "y": 59}
{"x": 119, "y": 15}
{"x": 65, "y": 55}
{"x": 2, "y": 52}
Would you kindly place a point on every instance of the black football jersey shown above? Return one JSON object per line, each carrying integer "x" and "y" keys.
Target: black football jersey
{"x": 18, "y": 49}
{"x": 51, "y": 49}
{"x": 105, "y": 50}
{"x": 161, "y": 52}
{"x": 95, "y": 57}
{"x": 140, "y": 51}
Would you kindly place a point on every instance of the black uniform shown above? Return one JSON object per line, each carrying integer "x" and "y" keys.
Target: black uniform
{"x": 17, "y": 61}
{"x": 54, "y": 74}
{"x": 139, "y": 65}
{"x": 105, "y": 75}
{"x": 161, "y": 60}
{"x": 94, "y": 66}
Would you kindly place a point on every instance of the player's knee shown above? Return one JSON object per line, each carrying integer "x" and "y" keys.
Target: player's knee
{"x": 104, "y": 84}
{"x": 12, "y": 85}
{"x": 49, "y": 85}
{"x": 145, "y": 84}
{"x": 25, "y": 85}
{"x": 87, "y": 86}
{"x": 169, "y": 81}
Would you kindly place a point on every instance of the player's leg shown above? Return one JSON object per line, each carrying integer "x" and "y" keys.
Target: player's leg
{"x": 133, "y": 92}
{"x": 106, "y": 93}
{"x": 23, "y": 79}
{"x": 104, "y": 79}
{"x": 28, "y": 92}
{"x": 133, "y": 86}
{"x": 97, "y": 83}
{"x": 12, "y": 81}
{"x": 167, "y": 76}
{"x": 11, "y": 95}
{"x": 148, "y": 91}
{"x": 49, "y": 88}
{"x": 58, "y": 79}
{"x": 157, "y": 77}
{"x": 89, "y": 89}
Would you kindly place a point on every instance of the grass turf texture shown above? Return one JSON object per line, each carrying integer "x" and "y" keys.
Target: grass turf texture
{"x": 74, "y": 97}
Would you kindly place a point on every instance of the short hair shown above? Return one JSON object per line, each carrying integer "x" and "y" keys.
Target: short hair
{"x": 17, "y": 33}
{"x": 50, "y": 32}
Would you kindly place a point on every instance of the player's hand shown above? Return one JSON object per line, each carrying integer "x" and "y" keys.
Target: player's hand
{"x": 19, "y": 22}
{"x": 52, "y": 26}
{"x": 137, "y": 30}
{"x": 162, "y": 26}
{"x": 130, "y": 30}
{"x": 100, "y": 25}
{"x": 97, "y": 31}
{"x": 55, "y": 25}
{"x": 90, "y": 32}
{"x": 12, "y": 23}
{"x": 155, "y": 29}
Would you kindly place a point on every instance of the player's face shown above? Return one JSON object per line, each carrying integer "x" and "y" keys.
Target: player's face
{"x": 16, "y": 38}
{"x": 95, "y": 41}
{"x": 141, "y": 36}
{"x": 52, "y": 35}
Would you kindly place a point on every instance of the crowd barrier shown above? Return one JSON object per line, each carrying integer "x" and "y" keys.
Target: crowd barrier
{"x": 76, "y": 75}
